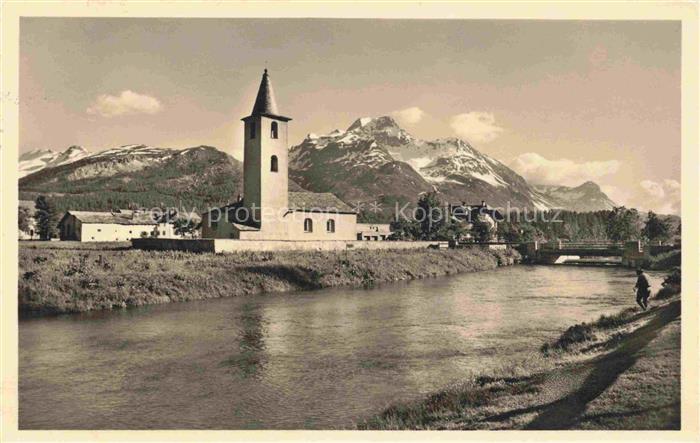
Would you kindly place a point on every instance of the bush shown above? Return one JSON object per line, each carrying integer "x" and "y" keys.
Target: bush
{"x": 612, "y": 321}
{"x": 579, "y": 333}
{"x": 673, "y": 278}
{"x": 666, "y": 260}
{"x": 671, "y": 285}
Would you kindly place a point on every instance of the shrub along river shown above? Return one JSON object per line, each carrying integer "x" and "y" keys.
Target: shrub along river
{"x": 323, "y": 359}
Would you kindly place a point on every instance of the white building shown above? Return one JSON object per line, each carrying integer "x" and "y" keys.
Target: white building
{"x": 373, "y": 231}
{"x": 122, "y": 225}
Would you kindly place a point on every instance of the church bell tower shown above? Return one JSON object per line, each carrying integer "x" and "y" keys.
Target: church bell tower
{"x": 265, "y": 175}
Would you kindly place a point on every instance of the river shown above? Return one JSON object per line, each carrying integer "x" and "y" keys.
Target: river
{"x": 318, "y": 360}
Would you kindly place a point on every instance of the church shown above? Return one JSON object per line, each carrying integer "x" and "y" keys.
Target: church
{"x": 268, "y": 211}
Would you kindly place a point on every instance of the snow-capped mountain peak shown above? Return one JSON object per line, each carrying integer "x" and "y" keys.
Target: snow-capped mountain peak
{"x": 360, "y": 123}
{"x": 39, "y": 159}
{"x": 451, "y": 166}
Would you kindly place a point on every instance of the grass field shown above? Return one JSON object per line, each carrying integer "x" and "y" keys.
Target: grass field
{"x": 59, "y": 279}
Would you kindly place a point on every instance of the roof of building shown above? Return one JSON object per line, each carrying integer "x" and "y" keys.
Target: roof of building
{"x": 242, "y": 227}
{"x": 265, "y": 103}
{"x": 298, "y": 201}
{"x": 318, "y": 202}
{"x": 123, "y": 217}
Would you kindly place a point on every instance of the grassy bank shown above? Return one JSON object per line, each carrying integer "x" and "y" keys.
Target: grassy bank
{"x": 667, "y": 260}
{"x": 59, "y": 280}
{"x": 619, "y": 372}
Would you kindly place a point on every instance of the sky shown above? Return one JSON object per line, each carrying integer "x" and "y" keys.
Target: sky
{"x": 561, "y": 102}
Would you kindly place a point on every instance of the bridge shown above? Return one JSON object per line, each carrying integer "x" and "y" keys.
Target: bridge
{"x": 631, "y": 253}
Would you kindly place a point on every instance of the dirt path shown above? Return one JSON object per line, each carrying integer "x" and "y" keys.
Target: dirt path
{"x": 636, "y": 386}
{"x": 625, "y": 376}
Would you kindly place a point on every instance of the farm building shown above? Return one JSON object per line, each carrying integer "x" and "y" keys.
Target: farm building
{"x": 121, "y": 225}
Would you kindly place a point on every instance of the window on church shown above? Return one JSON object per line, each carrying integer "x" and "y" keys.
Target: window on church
{"x": 308, "y": 225}
{"x": 273, "y": 130}
{"x": 273, "y": 163}
{"x": 252, "y": 129}
{"x": 330, "y": 225}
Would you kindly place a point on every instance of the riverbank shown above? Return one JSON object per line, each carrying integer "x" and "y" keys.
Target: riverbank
{"x": 619, "y": 372}
{"x": 61, "y": 280}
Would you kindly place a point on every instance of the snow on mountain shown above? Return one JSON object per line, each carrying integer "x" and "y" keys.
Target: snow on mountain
{"x": 123, "y": 158}
{"x": 359, "y": 145}
{"x": 374, "y": 160}
{"x": 583, "y": 198}
{"x": 139, "y": 174}
{"x": 374, "y": 146}
{"x": 351, "y": 162}
{"x": 451, "y": 160}
{"x": 39, "y": 159}
{"x": 132, "y": 150}
{"x": 356, "y": 165}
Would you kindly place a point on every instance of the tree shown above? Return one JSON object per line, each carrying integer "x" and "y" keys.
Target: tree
{"x": 518, "y": 232}
{"x": 403, "y": 229}
{"x": 452, "y": 230}
{"x": 656, "y": 229}
{"x": 23, "y": 219}
{"x": 184, "y": 226}
{"x": 430, "y": 216}
{"x": 622, "y": 224}
{"x": 46, "y": 218}
{"x": 482, "y": 230}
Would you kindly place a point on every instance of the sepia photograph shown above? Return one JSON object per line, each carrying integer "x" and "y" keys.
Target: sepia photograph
{"x": 350, "y": 223}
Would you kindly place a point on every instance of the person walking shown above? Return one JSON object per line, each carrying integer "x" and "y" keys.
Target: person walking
{"x": 643, "y": 289}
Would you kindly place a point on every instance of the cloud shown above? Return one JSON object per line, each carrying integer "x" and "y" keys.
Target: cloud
{"x": 653, "y": 189}
{"x": 661, "y": 197}
{"x": 409, "y": 116}
{"x": 126, "y": 103}
{"x": 539, "y": 170}
{"x": 476, "y": 126}
{"x": 664, "y": 197}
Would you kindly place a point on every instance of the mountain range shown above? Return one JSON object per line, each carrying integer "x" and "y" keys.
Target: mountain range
{"x": 375, "y": 160}
{"x": 139, "y": 174}
{"x": 374, "y": 163}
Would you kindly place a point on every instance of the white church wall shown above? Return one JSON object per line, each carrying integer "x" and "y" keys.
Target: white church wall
{"x": 345, "y": 226}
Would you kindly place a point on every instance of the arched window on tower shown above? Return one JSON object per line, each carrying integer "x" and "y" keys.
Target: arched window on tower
{"x": 273, "y": 130}
{"x": 273, "y": 163}
{"x": 308, "y": 225}
{"x": 252, "y": 129}
{"x": 330, "y": 225}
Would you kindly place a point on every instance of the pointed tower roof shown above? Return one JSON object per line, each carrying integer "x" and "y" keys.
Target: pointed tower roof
{"x": 265, "y": 103}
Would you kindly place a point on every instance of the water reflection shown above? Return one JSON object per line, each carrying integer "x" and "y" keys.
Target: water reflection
{"x": 251, "y": 358}
{"x": 319, "y": 360}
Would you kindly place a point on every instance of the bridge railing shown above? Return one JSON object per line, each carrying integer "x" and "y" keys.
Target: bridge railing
{"x": 583, "y": 244}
